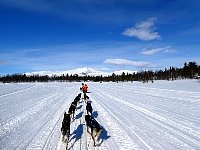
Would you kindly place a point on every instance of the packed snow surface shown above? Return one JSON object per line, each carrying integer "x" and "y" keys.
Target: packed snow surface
{"x": 159, "y": 115}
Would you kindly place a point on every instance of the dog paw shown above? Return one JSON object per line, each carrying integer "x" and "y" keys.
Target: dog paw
{"x": 96, "y": 142}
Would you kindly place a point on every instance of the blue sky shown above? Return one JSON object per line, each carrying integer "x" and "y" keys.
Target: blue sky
{"x": 107, "y": 35}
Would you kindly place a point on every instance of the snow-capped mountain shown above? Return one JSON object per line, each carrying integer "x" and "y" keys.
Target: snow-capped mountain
{"x": 86, "y": 71}
{"x": 81, "y": 72}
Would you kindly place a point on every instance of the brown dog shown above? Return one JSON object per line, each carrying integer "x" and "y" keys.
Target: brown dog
{"x": 96, "y": 130}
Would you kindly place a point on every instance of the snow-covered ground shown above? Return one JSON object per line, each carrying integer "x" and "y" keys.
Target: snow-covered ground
{"x": 162, "y": 115}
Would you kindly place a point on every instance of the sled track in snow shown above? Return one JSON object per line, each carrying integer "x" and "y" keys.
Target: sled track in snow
{"x": 132, "y": 117}
{"x": 23, "y": 116}
{"x": 125, "y": 131}
{"x": 181, "y": 134}
{"x": 17, "y": 91}
{"x": 176, "y": 101}
{"x": 30, "y": 125}
{"x": 34, "y": 119}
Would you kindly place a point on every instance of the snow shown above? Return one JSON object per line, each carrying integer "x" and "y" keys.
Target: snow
{"x": 159, "y": 115}
{"x": 81, "y": 72}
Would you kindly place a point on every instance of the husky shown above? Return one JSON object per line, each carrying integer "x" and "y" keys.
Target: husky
{"x": 81, "y": 88}
{"x": 89, "y": 108}
{"x": 77, "y": 99}
{"x": 65, "y": 129}
{"x": 79, "y": 96}
{"x": 72, "y": 109}
{"x": 96, "y": 130}
{"x": 85, "y": 97}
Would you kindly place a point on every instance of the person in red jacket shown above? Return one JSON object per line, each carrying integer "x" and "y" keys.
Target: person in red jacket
{"x": 85, "y": 88}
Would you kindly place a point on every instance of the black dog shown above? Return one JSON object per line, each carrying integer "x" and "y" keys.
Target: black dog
{"x": 65, "y": 129}
{"x": 96, "y": 130}
{"x": 77, "y": 99}
{"x": 72, "y": 109}
{"x": 85, "y": 97}
{"x": 79, "y": 96}
{"x": 89, "y": 108}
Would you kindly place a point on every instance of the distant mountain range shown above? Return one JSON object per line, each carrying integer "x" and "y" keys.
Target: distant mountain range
{"x": 81, "y": 72}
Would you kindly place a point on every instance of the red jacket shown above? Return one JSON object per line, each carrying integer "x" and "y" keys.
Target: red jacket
{"x": 85, "y": 87}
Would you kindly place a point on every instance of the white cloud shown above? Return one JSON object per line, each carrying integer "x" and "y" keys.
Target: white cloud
{"x": 143, "y": 30}
{"x": 153, "y": 51}
{"x": 128, "y": 62}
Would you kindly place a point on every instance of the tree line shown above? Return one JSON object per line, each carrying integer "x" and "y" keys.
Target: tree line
{"x": 190, "y": 70}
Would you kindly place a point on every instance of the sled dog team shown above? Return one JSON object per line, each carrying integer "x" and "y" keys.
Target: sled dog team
{"x": 93, "y": 126}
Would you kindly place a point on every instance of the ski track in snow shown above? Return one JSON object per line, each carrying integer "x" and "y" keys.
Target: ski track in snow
{"x": 14, "y": 90}
{"x": 133, "y": 116}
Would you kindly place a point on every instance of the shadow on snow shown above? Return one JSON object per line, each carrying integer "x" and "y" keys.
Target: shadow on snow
{"x": 95, "y": 114}
{"x": 77, "y": 134}
{"x": 78, "y": 116}
{"x": 104, "y": 136}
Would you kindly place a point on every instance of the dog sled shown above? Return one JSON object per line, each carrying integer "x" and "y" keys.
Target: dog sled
{"x": 91, "y": 125}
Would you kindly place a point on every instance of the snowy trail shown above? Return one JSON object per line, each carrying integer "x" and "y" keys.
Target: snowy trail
{"x": 181, "y": 135}
{"x": 133, "y": 116}
{"x": 33, "y": 127}
{"x": 9, "y": 89}
{"x": 17, "y": 91}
